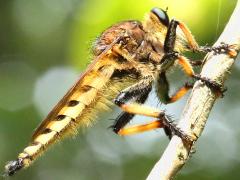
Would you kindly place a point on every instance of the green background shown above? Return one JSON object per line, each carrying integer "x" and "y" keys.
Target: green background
{"x": 45, "y": 45}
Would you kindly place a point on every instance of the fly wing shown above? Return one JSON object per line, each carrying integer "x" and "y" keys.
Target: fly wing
{"x": 87, "y": 81}
{"x": 109, "y": 73}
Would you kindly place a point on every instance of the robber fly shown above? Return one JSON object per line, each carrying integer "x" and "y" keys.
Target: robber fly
{"x": 128, "y": 58}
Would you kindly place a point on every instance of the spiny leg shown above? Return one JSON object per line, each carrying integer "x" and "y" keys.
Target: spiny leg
{"x": 170, "y": 39}
{"x": 170, "y": 55}
{"x": 141, "y": 110}
{"x": 169, "y": 44}
{"x": 162, "y": 84}
{"x": 134, "y": 91}
{"x": 163, "y": 121}
{"x": 125, "y": 117}
{"x": 223, "y": 48}
{"x": 187, "y": 68}
{"x": 183, "y": 61}
{"x": 141, "y": 128}
{"x": 150, "y": 112}
{"x": 162, "y": 88}
{"x": 191, "y": 40}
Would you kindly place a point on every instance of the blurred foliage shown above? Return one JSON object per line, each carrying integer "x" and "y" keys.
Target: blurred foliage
{"x": 40, "y": 41}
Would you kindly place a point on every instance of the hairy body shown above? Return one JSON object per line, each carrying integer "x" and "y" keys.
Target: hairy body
{"x": 127, "y": 59}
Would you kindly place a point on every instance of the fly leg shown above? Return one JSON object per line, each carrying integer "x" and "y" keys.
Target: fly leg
{"x": 223, "y": 48}
{"x": 187, "y": 68}
{"x": 162, "y": 88}
{"x": 170, "y": 55}
{"x": 163, "y": 121}
{"x": 143, "y": 86}
{"x": 133, "y": 108}
{"x": 139, "y": 92}
{"x": 124, "y": 118}
{"x": 184, "y": 62}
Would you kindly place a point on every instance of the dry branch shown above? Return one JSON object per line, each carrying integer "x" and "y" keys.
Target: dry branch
{"x": 199, "y": 104}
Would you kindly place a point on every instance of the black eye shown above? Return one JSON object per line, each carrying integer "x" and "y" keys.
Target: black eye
{"x": 161, "y": 15}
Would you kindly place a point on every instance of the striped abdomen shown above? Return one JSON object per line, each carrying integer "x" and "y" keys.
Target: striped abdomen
{"x": 93, "y": 93}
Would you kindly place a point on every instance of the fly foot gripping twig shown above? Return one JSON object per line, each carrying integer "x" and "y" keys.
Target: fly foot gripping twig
{"x": 200, "y": 103}
{"x": 223, "y": 48}
{"x": 172, "y": 129}
{"x": 217, "y": 88}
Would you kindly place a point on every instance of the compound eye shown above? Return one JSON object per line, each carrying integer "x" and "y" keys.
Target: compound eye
{"x": 161, "y": 15}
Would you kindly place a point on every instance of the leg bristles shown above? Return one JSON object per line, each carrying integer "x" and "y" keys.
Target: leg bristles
{"x": 212, "y": 84}
{"x": 172, "y": 127}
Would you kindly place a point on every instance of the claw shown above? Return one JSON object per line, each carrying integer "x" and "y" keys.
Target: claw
{"x": 223, "y": 48}
{"x": 189, "y": 85}
{"x": 218, "y": 88}
{"x": 174, "y": 130}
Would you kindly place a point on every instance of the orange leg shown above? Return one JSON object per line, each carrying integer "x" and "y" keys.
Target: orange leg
{"x": 180, "y": 93}
{"x": 231, "y": 50}
{"x": 141, "y": 128}
{"x": 141, "y": 110}
{"x": 163, "y": 121}
{"x": 185, "y": 64}
{"x": 191, "y": 40}
{"x": 187, "y": 68}
{"x": 162, "y": 87}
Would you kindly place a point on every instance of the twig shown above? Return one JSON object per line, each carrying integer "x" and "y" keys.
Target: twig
{"x": 199, "y": 104}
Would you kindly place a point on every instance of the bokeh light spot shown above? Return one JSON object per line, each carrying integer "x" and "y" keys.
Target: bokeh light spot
{"x": 17, "y": 82}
